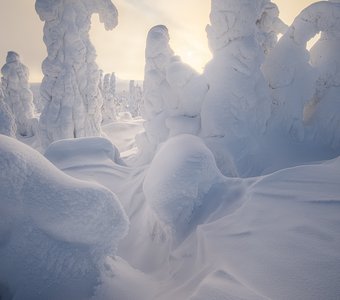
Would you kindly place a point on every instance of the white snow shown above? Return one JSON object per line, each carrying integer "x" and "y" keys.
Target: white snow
{"x": 53, "y": 227}
{"x": 70, "y": 88}
{"x": 180, "y": 175}
{"x": 227, "y": 188}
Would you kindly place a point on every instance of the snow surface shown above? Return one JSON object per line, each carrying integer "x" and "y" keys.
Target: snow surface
{"x": 53, "y": 227}
{"x": 249, "y": 238}
{"x": 227, "y": 189}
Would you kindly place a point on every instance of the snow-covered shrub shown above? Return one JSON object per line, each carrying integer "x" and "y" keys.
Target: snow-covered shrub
{"x": 71, "y": 77}
{"x": 55, "y": 231}
{"x": 7, "y": 121}
{"x": 180, "y": 175}
{"x": 17, "y": 94}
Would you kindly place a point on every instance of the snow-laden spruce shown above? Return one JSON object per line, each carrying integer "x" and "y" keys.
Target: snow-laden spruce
{"x": 108, "y": 91}
{"x": 173, "y": 93}
{"x": 323, "y": 110}
{"x": 303, "y": 84}
{"x": 237, "y": 103}
{"x": 17, "y": 94}
{"x": 7, "y": 121}
{"x": 71, "y": 77}
{"x": 55, "y": 230}
{"x": 237, "y": 106}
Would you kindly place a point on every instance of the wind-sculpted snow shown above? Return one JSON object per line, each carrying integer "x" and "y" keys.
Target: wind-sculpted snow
{"x": 17, "y": 94}
{"x": 281, "y": 243}
{"x": 180, "y": 175}
{"x": 7, "y": 121}
{"x": 55, "y": 230}
{"x": 71, "y": 77}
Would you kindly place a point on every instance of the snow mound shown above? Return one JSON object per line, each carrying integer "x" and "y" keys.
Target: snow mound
{"x": 75, "y": 152}
{"x": 55, "y": 229}
{"x": 181, "y": 173}
{"x": 283, "y": 242}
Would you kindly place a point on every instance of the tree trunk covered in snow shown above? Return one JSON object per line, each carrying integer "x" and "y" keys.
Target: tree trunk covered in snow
{"x": 71, "y": 77}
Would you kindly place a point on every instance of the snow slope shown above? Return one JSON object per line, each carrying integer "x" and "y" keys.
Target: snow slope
{"x": 271, "y": 237}
{"x": 55, "y": 230}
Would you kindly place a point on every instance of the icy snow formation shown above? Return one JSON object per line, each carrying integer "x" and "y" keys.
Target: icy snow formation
{"x": 188, "y": 171}
{"x": 55, "y": 230}
{"x": 322, "y": 112}
{"x": 173, "y": 93}
{"x": 71, "y": 77}
{"x": 7, "y": 121}
{"x": 17, "y": 94}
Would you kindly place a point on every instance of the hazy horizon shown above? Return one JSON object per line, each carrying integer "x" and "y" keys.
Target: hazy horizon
{"x": 122, "y": 50}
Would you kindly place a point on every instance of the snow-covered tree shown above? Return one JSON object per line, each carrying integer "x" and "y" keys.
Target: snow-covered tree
{"x": 157, "y": 92}
{"x": 269, "y": 26}
{"x": 135, "y": 98}
{"x": 172, "y": 94}
{"x": 190, "y": 88}
{"x": 237, "y": 105}
{"x": 237, "y": 102}
{"x": 300, "y": 82}
{"x": 7, "y": 121}
{"x": 109, "y": 106}
{"x": 71, "y": 77}
{"x": 323, "y": 111}
{"x": 17, "y": 94}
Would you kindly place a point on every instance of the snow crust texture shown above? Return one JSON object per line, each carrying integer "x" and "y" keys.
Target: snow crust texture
{"x": 71, "y": 77}
{"x": 17, "y": 94}
{"x": 53, "y": 227}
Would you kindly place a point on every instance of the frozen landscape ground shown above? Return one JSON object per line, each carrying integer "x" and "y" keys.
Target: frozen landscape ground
{"x": 226, "y": 187}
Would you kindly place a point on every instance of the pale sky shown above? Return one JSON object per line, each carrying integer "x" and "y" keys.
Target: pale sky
{"x": 122, "y": 50}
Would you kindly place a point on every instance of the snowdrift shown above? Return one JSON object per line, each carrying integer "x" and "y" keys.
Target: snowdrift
{"x": 55, "y": 230}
